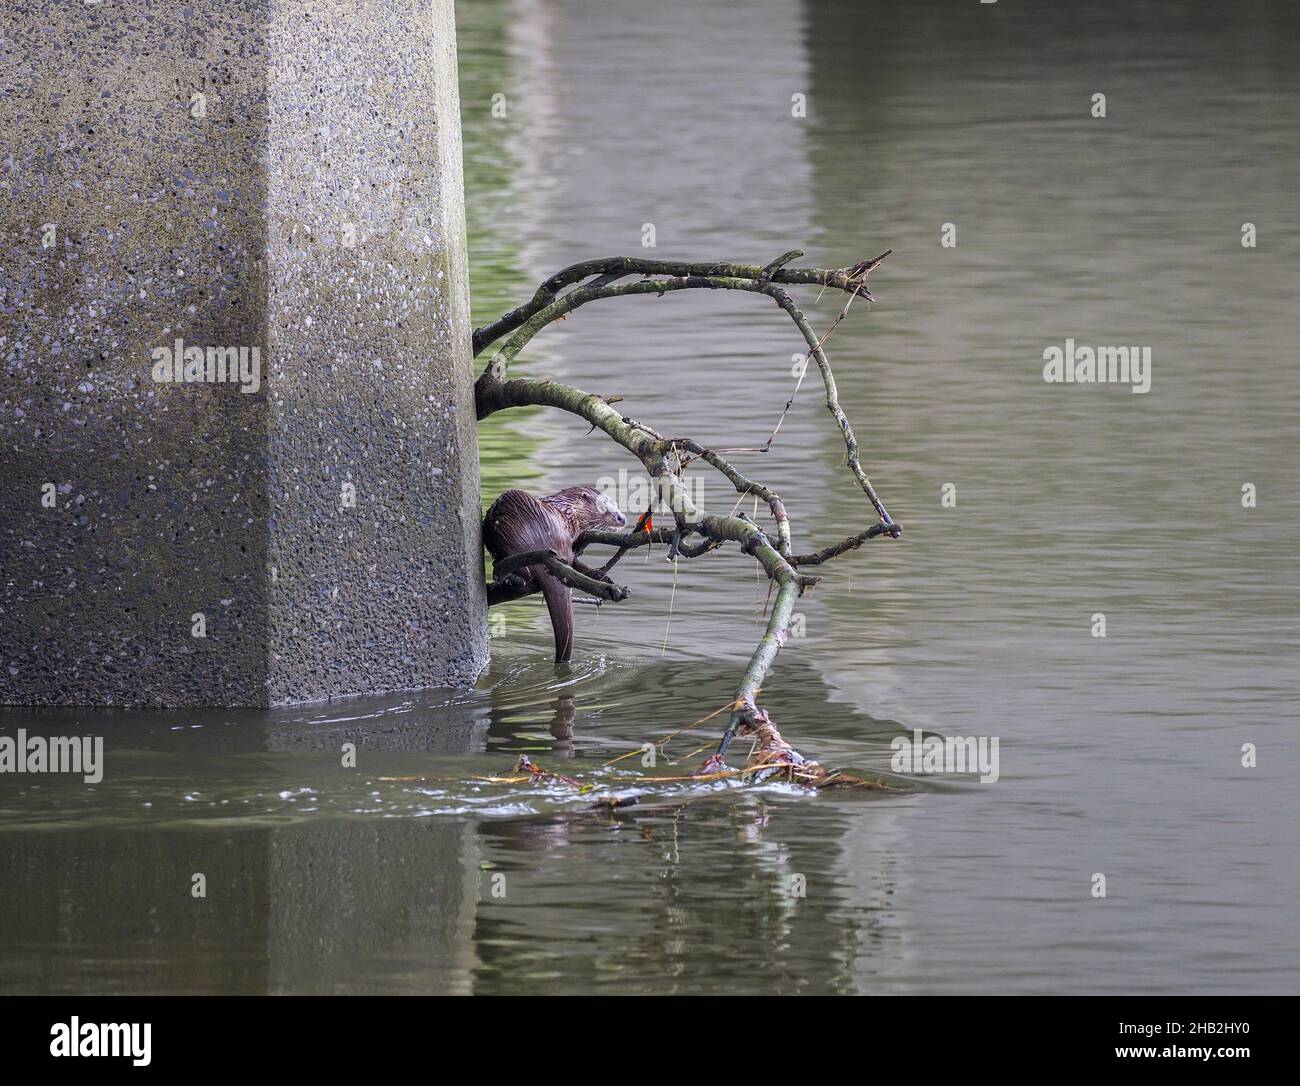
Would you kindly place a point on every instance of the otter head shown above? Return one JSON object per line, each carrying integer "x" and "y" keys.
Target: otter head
{"x": 610, "y": 515}
{"x": 586, "y": 507}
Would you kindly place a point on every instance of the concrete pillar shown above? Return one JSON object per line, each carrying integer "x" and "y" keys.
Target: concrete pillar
{"x": 276, "y": 182}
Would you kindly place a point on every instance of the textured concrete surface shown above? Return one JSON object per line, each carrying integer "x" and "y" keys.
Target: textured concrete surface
{"x": 309, "y": 206}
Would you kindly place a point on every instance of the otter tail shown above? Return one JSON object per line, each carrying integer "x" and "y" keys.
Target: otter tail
{"x": 559, "y": 602}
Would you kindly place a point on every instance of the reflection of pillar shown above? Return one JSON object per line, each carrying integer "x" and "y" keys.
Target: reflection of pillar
{"x": 315, "y": 908}
{"x": 532, "y": 34}
{"x": 854, "y": 120}
{"x": 278, "y": 187}
{"x": 108, "y": 911}
{"x": 873, "y": 861}
{"x": 376, "y": 906}
{"x": 428, "y": 724}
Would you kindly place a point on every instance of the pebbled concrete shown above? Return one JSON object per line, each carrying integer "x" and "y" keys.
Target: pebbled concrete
{"x": 308, "y": 206}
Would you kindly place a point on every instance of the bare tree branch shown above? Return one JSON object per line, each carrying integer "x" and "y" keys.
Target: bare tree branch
{"x": 599, "y": 586}
{"x": 665, "y": 459}
{"x": 616, "y": 267}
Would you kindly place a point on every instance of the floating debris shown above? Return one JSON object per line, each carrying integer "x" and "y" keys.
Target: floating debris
{"x": 613, "y": 803}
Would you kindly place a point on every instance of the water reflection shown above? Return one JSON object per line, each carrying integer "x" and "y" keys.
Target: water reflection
{"x": 321, "y": 877}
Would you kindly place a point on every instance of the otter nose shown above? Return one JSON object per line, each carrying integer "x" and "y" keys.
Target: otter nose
{"x": 622, "y": 520}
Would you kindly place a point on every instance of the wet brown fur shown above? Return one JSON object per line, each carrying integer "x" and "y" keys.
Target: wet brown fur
{"x": 517, "y": 522}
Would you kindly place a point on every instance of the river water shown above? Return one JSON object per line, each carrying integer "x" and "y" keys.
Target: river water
{"x": 1120, "y": 756}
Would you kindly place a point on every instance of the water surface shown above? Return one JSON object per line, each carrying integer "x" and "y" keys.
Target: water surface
{"x": 1119, "y": 756}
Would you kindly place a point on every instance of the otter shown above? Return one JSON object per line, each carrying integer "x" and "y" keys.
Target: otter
{"x": 517, "y": 522}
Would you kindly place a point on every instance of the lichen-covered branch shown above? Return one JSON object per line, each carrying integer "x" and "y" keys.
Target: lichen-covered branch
{"x": 845, "y": 545}
{"x": 849, "y": 279}
{"x": 595, "y": 585}
{"x": 695, "y": 531}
